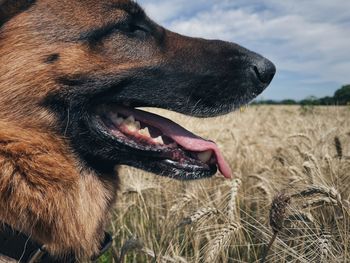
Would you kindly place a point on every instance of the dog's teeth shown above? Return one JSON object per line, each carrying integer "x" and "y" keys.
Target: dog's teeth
{"x": 131, "y": 119}
{"x": 131, "y": 127}
{"x": 145, "y": 132}
{"x": 115, "y": 119}
{"x": 204, "y": 156}
{"x": 131, "y": 124}
{"x": 138, "y": 125}
{"x": 119, "y": 121}
{"x": 158, "y": 140}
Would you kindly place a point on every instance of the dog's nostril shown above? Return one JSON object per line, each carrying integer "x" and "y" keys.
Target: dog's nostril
{"x": 256, "y": 71}
{"x": 265, "y": 70}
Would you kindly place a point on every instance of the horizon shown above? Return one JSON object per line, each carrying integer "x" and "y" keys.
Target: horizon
{"x": 308, "y": 42}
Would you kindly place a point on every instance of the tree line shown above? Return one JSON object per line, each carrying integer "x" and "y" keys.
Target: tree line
{"x": 341, "y": 97}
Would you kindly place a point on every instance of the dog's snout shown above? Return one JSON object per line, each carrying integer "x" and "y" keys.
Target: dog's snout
{"x": 264, "y": 69}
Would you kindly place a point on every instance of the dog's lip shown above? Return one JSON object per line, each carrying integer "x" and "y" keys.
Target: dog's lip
{"x": 208, "y": 171}
{"x": 187, "y": 140}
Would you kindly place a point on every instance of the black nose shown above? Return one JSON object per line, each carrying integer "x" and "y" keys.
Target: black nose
{"x": 265, "y": 70}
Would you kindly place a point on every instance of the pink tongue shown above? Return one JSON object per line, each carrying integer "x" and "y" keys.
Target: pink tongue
{"x": 181, "y": 136}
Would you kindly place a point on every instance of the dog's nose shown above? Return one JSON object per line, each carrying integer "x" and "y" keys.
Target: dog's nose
{"x": 265, "y": 70}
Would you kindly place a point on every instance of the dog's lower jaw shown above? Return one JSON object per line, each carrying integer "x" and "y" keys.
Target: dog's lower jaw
{"x": 46, "y": 195}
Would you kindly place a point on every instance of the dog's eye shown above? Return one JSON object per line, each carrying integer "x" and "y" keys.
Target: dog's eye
{"x": 135, "y": 29}
{"x": 130, "y": 29}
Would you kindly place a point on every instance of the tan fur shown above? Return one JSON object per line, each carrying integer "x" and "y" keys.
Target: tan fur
{"x": 44, "y": 190}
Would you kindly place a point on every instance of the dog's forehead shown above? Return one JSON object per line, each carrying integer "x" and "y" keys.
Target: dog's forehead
{"x": 66, "y": 19}
{"x": 89, "y": 11}
{"x": 93, "y": 6}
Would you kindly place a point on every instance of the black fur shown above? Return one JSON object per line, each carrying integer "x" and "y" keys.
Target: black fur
{"x": 10, "y": 8}
{"x": 50, "y": 59}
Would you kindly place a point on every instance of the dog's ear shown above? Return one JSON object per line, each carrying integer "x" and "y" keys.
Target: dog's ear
{"x": 10, "y": 8}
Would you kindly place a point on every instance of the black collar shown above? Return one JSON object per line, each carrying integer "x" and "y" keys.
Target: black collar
{"x": 22, "y": 248}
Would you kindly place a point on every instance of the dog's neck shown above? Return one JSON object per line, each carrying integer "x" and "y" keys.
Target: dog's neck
{"x": 45, "y": 194}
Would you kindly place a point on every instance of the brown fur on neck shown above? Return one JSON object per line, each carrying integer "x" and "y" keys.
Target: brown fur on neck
{"x": 45, "y": 194}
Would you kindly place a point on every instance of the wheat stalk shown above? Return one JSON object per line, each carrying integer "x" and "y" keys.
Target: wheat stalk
{"x": 277, "y": 217}
{"x": 329, "y": 164}
{"x": 321, "y": 196}
{"x": 232, "y": 203}
{"x": 199, "y": 215}
{"x": 308, "y": 170}
{"x": 321, "y": 201}
{"x": 259, "y": 178}
{"x": 221, "y": 241}
{"x": 338, "y": 147}
{"x": 163, "y": 259}
{"x": 324, "y": 244}
{"x": 328, "y": 196}
{"x": 295, "y": 171}
{"x": 278, "y": 211}
{"x": 135, "y": 244}
{"x": 301, "y": 216}
{"x": 180, "y": 203}
{"x": 129, "y": 245}
{"x": 313, "y": 160}
{"x": 265, "y": 190}
{"x": 317, "y": 189}
{"x": 301, "y": 135}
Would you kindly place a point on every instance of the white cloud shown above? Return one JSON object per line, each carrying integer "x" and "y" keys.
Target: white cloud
{"x": 309, "y": 38}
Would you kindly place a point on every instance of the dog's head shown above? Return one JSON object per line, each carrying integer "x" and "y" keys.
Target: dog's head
{"x": 81, "y": 67}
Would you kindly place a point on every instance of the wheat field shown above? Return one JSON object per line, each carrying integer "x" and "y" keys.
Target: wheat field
{"x": 301, "y": 154}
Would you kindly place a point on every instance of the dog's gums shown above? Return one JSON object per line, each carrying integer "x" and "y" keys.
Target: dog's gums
{"x": 149, "y": 134}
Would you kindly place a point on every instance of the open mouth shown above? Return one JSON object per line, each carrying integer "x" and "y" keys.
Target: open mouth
{"x": 161, "y": 142}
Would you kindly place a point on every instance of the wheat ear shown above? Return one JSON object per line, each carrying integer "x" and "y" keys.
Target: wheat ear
{"x": 277, "y": 217}
{"x": 338, "y": 147}
{"x": 232, "y": 203}
{"x": 221, "y": 241}
{"x": 198, "y": 215}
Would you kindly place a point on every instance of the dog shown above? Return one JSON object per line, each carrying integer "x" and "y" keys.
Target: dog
{"x": 72, "y": 74}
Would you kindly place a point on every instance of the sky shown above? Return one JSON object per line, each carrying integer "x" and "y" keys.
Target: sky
{"x": 308, "y": 40}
